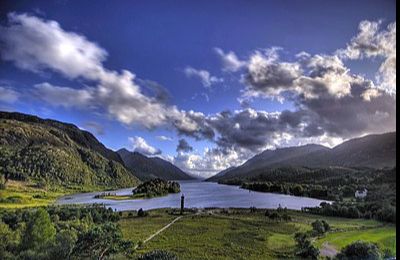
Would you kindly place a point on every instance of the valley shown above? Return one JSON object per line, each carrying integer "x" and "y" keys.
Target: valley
{"x": 264, "y": 209}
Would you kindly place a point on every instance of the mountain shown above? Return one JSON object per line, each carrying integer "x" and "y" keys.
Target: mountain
{"x": 372, "y": 151}
{"x": 45, "y": 150}
{"x": 147, "y": 168}
{"x": 222, "y": 173}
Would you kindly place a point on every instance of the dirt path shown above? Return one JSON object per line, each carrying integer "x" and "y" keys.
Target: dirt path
{"x": 161, "y": 230}
{"x": 328, "y": 250}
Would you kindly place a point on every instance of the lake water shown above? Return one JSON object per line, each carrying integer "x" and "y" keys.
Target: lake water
{"x": 198, "y": 195}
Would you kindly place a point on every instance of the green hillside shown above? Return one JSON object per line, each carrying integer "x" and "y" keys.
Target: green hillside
{"x": 52, "y": 153}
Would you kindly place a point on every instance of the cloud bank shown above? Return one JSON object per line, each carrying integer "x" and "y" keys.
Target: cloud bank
{"x": 330, "y": 102}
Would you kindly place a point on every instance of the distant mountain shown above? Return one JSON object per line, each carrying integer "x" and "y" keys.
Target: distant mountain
{"x": 372, "y": 151}
{"x": 46, "y": 150}
{"x": 147, "y": 168}
{"x": 222, "y": 173}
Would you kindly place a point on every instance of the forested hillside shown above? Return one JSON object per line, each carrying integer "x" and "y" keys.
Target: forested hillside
{"x": 52, "y": 152}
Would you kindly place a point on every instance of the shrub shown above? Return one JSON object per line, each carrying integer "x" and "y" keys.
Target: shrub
{"x": 360, "y": 250}
{"x": 286, "y": 217}
{"x": 142, "y": 213}
{"x": 305, "y": 249}
{"x": 320, "y": 226}
{"x": 158, "y": 255}
{"x": 275, "y": 216}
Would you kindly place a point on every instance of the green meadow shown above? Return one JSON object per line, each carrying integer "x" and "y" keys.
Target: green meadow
{"x": 241, "y": 234}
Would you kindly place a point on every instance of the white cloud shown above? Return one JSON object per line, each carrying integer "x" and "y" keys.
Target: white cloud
{"x": 204, "y": 76}
{"x": 36, "y": 44}
{"x": 372, "y": 42}
{"x": 64, "y": 96}
{"x": 164, "y": 138}
{"x": 8, "y": 95}
{"x": 141, "y": 146}
{"x": 210, "y": 162}
{"x": 230, "y": 62}
{"x": 368, "y": 94}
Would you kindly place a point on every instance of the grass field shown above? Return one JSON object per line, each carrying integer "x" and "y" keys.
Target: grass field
{"x": 384, "y": 237}
{"x": 23, "y": 194}
{"x": 245, "y": 235}
{"x": 20, "y": 194}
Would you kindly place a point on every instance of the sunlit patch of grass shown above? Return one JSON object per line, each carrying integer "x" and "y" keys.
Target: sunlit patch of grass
{"x": 26, "y": 194}
{"x": 384, "y": 237}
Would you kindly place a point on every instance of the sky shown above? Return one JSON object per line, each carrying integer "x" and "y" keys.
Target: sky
{"x": 203, "y": 84}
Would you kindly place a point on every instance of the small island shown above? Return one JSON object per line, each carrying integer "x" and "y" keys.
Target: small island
{"x": 149, "y": 189}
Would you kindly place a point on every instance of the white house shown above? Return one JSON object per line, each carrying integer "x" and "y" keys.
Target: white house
{"x": 361, "y": 194}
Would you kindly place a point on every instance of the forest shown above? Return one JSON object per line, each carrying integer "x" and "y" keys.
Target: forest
{"x": 334, "y": 184}
{"x": 156, "y": 187}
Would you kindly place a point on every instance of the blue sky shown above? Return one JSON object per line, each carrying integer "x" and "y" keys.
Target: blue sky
{"x": 159, "y": 40}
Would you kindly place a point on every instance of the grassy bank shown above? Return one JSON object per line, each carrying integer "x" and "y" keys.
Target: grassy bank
{"x": 19, "y": 194}
{"x": 241, "y": 234}
{"x": 24, "y": 194}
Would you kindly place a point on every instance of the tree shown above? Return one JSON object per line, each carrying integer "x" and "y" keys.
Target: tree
{"x": 305, "y": 249}
{"x": 142, "y": 213}
{"x": 297, "y": 190}
{"x": 286, "y": 217}
{"x": 6, "y": 237}
{"x": 359, "y": 250}
{"x": 39, "y": 231}
{"x": 275, "y": 216}
{"x": 3, "y": 181}
{"x": 101, "y": 241}
{"x": 320, "y": 226}
{"x": 64, "y": 244}
{"x": 354, "y": 212}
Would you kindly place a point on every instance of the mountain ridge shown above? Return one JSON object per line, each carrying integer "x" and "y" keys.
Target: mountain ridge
{"x": 147, "y": 168}
{"x": 371, "y": 151}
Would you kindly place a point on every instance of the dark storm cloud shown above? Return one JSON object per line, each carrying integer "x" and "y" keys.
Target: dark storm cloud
{"x": 269, "y": 76}
{"x": 201, "y": 129}
{"x": 183, "y": 146}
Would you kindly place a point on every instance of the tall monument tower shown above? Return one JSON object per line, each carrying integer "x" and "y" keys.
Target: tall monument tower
{"x": 182, "y": 203}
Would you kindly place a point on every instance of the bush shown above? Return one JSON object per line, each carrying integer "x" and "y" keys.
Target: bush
{"x": 275, "y": 216}
{"x": 359, "y": 250}
{"x": 142, "y": 213}
{"x": 286, "y": 217}
{"x": 158, "y": 255}
{"x": 2, "y": 182}
{"x": 305, "y": 249}
{"x": 320, "y": 226}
